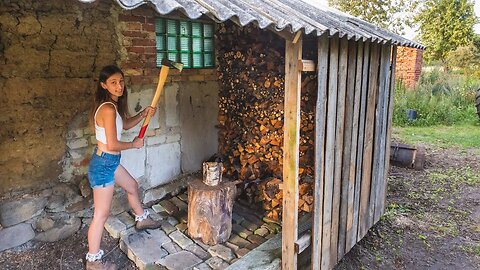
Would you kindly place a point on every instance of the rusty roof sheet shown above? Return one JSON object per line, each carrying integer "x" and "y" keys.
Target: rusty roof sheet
{"x": 291, "y": 15}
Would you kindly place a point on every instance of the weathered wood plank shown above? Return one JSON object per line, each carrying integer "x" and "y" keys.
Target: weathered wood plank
{"x": 389, "y": 125}
{"x": 320, "y": 124}
{"x": 361, "y": 138}
{"x": 352, "y": 218}
{"x": 347, "y": 147}
{"x": 337, "y": 182}
{"x": 330, "y": 152}
{"x": 383, "y": 122}
{"x": 293, "y": 53}
{"x": 368, "y": 142}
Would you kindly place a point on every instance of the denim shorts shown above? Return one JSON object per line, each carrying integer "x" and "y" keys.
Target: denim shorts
{"x": 102, "y": 168}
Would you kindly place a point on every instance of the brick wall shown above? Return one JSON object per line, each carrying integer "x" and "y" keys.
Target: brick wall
{"x": 409, "y": 65}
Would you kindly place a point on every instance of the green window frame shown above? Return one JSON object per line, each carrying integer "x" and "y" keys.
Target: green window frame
{"x": 189, "y": 42}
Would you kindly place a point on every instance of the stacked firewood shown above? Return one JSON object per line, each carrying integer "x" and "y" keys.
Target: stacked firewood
{"x": 251, "y": 106}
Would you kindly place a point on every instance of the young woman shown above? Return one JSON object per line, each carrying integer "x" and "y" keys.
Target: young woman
{"x": 110, "y": 116}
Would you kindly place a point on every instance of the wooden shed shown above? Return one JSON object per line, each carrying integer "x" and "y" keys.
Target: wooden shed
{"x": 354, "y": 66}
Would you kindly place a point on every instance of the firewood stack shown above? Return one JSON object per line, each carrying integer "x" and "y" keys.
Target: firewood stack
{"x": 251, "y": 108}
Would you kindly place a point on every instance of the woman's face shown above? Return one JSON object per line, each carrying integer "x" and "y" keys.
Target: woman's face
{"x": 115, "y": 85}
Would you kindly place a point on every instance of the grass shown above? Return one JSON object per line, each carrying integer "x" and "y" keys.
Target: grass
{"x": 458, "y": 136}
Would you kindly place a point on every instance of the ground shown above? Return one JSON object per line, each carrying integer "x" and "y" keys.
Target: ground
{"x": 432, "y": 221}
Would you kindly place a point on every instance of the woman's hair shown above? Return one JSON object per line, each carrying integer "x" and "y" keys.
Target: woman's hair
{"x": 102, "y": 95}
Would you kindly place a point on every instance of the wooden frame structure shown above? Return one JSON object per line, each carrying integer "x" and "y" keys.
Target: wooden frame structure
{"x": 352, "y": 141}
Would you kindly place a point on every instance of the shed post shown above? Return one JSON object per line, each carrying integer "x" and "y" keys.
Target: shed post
{"x": 293, "y": 53}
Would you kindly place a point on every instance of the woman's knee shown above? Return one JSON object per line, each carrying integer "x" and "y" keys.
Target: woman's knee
{"x": 132, "y": 188}
{"x": 101, "y": 216}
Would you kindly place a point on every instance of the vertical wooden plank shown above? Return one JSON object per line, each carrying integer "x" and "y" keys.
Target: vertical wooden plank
{"x": 330, "y": 152}
{"x": 379, "y": 136}
{"x": 293, "y": 52}
{"x": 351, "y": 217}
{"x": 364, "y": 220}
{"x": 383, "y": 121}
{"x": 389, "y": 124}
{"x": 320, "y": 125}
{"x": 361, "y": 139}
{"x": 337, "y": 182}
{"x": 347, "y": 147}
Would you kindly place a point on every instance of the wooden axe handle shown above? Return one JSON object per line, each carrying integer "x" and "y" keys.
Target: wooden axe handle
{"x": 161, "y": 82}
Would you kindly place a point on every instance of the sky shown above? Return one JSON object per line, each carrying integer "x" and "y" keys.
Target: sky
{"x": 410, "y": 33}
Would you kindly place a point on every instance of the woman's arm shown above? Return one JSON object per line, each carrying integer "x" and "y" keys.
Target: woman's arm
{"x": 133, "y": 121}
{"x": 107, "y": 115}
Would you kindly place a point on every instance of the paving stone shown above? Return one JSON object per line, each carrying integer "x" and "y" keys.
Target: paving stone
{"x": 167, "y": 227}
{"x": 145, "y": 247}
{"x": 216, "y": 263}
{"x": 181, "y": 239}
{"x": 269, "y": 236}
{"x": 179, "y": 203}
{"x": 202, "y": 266}
{"x": 158, "y": 208}
{"x": 172, "y": 247}
{"x": 126, "y": 219}
{"x": 198, "y": 251}
{"x": 238, "y": 241}
{"x": 262, "y": 231}
{"x": 180, "y": 260}
{"x": 183, "y": 197}
{"x": 200, "y": 243}
{"x": 249, "y": 225}
{"x": 256, "y": 239}
{"x": 251, "y": 246}
{"x": 241, "y": 252}
{"x": 114, "y": 226}
{"x": 231, "y": 246}
{"x": 236, "y": 218}
{"x": 234, "y": 260}
{"x": 15, "y": 235}
{"x": 172, "y": 220}
{"x": 182, "y": 227}
{"x": 272, "y": 227}
{"x": 182, "y": 216}
{"x": 169, "y": 207}
{"x": 222, "y": 252}
{"x": 241, "y": 231}
{"x": 273, "y": 221}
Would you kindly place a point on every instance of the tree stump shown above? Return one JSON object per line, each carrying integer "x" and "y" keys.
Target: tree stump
{"x": 210, "y": 211}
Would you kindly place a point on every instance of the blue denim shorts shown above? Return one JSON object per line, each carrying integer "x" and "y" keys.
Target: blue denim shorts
{"x": 102, "y": 168}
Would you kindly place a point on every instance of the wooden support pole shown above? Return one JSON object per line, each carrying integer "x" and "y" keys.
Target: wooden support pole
{"x": 293, "y": 53}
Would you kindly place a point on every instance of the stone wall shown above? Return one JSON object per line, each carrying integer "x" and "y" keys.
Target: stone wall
{"x": 50, "y": 52}
{"x": 409, "y": 66}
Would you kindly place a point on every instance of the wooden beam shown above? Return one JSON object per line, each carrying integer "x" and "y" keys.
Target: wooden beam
{"x": 293, "y": 53}
{"x": 297, "y": 37}
{"x": 306, "y": 65}
{"x": 320, "y": 124}
{"x": 303, "y": 242}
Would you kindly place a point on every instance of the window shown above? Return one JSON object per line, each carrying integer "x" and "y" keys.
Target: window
{"x": 184, "y": 41}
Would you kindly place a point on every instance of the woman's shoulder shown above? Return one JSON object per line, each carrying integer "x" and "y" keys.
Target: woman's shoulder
{"x": 107, "y": 108}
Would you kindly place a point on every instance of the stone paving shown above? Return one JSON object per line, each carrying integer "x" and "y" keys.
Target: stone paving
{"x": 170, "y": 247}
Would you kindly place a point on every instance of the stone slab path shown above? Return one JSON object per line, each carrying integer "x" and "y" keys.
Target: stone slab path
{"x": 170, "y": 247}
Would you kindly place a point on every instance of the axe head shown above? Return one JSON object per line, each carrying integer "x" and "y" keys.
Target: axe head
{"x": 171, "y": 64}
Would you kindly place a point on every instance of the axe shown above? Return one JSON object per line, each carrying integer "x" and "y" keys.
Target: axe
{"x": 166, "y": 65}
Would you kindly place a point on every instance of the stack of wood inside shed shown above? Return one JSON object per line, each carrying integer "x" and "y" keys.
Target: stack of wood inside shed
{"x": 251, "y": 70}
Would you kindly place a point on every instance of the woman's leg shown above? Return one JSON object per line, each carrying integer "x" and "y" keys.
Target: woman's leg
{"x": 128, "y": 183}
{"x": 102, "y": 199}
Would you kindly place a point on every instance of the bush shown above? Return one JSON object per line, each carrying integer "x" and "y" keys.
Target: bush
{"x": 440, "y": 98}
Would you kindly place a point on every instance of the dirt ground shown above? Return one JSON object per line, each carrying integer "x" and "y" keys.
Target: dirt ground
{"x": 432, "y": 221}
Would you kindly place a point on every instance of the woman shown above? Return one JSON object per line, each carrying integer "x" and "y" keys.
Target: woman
{"x": 110, "y": 116}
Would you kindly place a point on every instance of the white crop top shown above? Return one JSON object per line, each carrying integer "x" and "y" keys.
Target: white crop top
{"x": 100, "y": 131}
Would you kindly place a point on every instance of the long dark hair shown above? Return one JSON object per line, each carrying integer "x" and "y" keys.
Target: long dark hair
{"x": 102, "y": 95}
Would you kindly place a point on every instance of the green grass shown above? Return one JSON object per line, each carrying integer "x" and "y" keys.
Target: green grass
{"x": 458, "y": 136}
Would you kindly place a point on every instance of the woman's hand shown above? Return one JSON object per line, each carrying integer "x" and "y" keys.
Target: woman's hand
{"x": 148, "y": 111}
{"x": 138, "y": 142}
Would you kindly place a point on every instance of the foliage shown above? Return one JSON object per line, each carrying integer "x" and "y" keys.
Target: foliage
{"x": 458, "y": 136}
{"x": 440, "y": 98}
{"x": 445, "y": 25}
{"x": 385, "y": 14}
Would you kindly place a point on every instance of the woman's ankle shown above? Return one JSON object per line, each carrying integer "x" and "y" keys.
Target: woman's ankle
{"x": 91, "y": 257}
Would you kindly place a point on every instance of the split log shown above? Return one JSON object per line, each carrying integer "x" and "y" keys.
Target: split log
{"x": 210, "y": 211}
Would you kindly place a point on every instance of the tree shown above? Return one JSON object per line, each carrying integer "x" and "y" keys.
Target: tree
{"x": 387, "y": 14}
{"x": 445, "y": 25}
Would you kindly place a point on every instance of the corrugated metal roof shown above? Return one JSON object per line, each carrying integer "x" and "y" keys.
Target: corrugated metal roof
{"x": 292, "y": 15}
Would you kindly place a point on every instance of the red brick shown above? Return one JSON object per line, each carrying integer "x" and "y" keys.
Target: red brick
{"x": 138, "y": 50}
{"x": 136, "y": 34}
{"x": 131, "y": 18}
{"x": 148, "y": 27}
